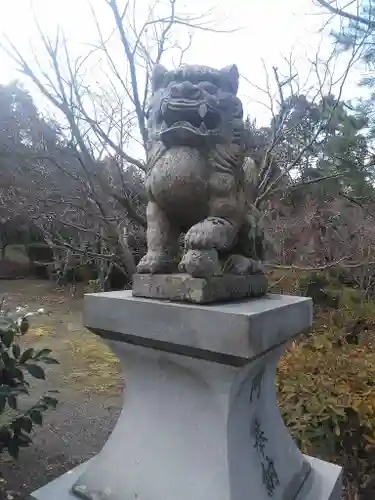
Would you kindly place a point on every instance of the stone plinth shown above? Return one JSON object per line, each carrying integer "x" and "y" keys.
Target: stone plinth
{"x": 183, "y": 287}
{"x": 200, "y": 419}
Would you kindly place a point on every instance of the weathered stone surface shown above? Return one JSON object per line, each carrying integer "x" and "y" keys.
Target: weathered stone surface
{"x": 324, "y": 483}
{"x": 198, "y": 173}
{"x": 232, "y": 332}
{"x": 184, "y": 287}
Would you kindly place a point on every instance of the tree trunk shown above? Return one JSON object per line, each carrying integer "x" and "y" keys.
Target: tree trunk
{"x": 3, "y": 251}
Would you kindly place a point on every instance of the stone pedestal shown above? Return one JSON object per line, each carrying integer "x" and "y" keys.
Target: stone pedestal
{"x": 200, "y": 419}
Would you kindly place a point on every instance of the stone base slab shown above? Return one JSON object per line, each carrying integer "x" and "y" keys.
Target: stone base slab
{"x": 231, "y": 333}
{"x": 183, "y": 287}
{"x": 324, "y": 483}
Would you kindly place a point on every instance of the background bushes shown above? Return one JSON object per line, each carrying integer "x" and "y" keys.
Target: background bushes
{"x": 326, "y": 380}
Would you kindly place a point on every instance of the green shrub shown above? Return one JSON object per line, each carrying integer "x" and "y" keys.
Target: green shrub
{"x": 16, "y": 366}
{"x": 326, "y": 380}
{"x": 39, "y": 252}
{"x": 40, "y": 256}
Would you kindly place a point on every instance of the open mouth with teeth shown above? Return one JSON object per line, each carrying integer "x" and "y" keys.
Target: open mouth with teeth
{"x": 196, "y": 120}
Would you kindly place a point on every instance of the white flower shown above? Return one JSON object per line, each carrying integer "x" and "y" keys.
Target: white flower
{"x": 21, "y": 310}
{"x": 35, "y": 313}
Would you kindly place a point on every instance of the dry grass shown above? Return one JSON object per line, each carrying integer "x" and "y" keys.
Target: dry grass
{"x": 94, "y": 368}
{"x": 86, "y": 363}
{"x": 36, "y": 333}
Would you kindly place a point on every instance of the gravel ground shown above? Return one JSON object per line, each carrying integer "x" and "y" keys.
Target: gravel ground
{"x": 76, "y": 431}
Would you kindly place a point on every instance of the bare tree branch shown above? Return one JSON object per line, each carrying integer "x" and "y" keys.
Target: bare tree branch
{"x": 347, "y": 15}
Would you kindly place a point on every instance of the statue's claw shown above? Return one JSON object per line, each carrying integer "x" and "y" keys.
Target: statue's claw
{"x": 238, "y": 264}
{"x": 156, "y": 263}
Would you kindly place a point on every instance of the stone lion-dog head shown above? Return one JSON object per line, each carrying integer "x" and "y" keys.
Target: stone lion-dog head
{"x": 195, "y": 106}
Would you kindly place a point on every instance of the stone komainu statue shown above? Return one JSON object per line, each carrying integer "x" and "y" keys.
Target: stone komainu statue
{"x": 196, "y": 179}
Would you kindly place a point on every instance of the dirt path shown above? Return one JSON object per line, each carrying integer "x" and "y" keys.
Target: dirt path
{"x": 88, "y": 379}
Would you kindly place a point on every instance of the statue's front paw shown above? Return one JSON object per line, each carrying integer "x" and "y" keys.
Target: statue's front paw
{"x": 210, "y": 233}
{"x": 156, "y": 263}
{"x": 238, "y": 264}
{"x": 200, "y": 263}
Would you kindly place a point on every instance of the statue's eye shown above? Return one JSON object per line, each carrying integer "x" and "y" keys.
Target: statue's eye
{"x": 209, "y": 87}
{"x": 238, "y": 110}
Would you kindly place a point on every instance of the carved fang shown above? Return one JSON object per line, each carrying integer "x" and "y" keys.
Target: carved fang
{"x": 202, "y": 110}
{"x": 203, "y": 128}
{"x": 164, "y": 107}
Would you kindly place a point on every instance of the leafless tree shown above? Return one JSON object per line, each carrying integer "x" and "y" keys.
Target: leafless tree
{"x": 311, "y": 225}
{"x": 350, "y": 11}
{"x": 104, "y": 125}
{"x": 283, "y": 87}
